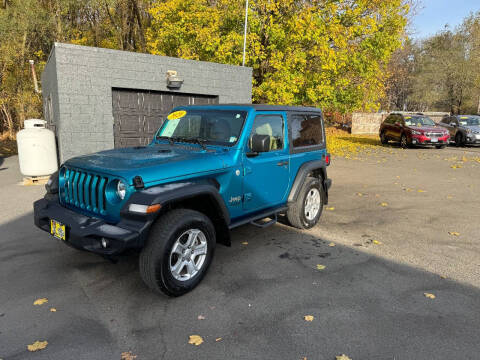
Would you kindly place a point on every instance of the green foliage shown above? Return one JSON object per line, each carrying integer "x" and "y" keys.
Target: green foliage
{"x": 327, "y": 53}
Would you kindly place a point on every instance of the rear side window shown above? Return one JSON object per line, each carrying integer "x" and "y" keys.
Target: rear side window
{"x": 307, "y": 130}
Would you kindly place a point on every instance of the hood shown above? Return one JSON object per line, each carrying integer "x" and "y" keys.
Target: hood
{"x": 152, "y": 163}
{"x": 427, "y": 128}
{"x": 475, "y": 128}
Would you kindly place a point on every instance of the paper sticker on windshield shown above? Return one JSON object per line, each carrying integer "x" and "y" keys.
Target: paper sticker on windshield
{"x": 464, "y": 117}
{"x": 408, "y": 117}
{"x": 176, "y": 115}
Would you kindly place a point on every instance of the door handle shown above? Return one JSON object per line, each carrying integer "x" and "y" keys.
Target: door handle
{"x": 281, "y": 163}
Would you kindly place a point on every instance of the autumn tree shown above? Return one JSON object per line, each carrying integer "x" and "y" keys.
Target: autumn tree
{"x": 331, "y": 54}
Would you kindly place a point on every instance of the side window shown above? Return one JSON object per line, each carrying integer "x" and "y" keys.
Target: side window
{"x": 271, "y": 125}
{"x": 307, "y": 130}
{"x": 388, "y": 120}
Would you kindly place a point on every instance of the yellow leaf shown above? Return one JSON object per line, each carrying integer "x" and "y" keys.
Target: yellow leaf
{"x": 245, "y": 243}
{"x": 195, "y": 340}
{"x": 40, "y": 301}
{"x": 376, "y": 242}
{"x": 53, "y": 310}
{"x": 453, "y": 233}
{"x": 342, "y": 357}
{"x": 443, "y": 277}
{"x": 218, "y": 339}
{"x": 330, "y": 208}
{"x": 37, "y": 345}
{"x": 331, "y": 244}
{"x": 308, "y": 318}
{"x": 320, "y": 267}
{"x": 420, "y": 190}
{"x": 127, "y": 355}
{"x": 359, "y": 194}
{"x": 456, "y": 166}
{"x": 428, "y": 295}
{"x": 384, "y": 204}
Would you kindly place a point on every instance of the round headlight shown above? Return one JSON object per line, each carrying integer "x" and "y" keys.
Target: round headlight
{"x": 121, "y": 189}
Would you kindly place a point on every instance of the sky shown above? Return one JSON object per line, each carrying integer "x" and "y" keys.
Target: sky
{"x": 432, "y": 15}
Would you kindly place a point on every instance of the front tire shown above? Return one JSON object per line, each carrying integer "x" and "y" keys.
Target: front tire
{"x": 305, "y": 212}
{"x": 440, "y": 146}
{"x": 178, "y": 252}
{"x": 459, "y": 140}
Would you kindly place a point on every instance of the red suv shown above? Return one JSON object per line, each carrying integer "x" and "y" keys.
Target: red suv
{"x": 411, "y": 130}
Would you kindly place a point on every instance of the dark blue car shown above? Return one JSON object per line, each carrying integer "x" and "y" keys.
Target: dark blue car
{"x": 207, "y": 170}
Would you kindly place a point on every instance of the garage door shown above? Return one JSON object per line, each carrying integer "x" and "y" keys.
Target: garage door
{"x": 138, "y": 114}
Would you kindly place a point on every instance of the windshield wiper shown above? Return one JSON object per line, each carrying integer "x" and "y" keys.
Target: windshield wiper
{"x": 198, "y": 141}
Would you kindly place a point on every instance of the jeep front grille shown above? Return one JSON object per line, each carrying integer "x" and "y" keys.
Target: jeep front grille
{"x": 83, "y": 190}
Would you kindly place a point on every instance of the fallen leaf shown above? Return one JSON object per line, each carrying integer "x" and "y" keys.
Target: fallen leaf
{"x": 195, "y": 340}
{"x": 331, "y": 244}
{"x": 320, "y": 267}
{"x": 376, "y": 242}
{"x": 308, "y": 318}
{"x": 456, "y": 166}
{"x": 53, "y": 310}
{"x": 245, "y": 243}
{"x": 428, "y": 295}
{"x": 330, "y": 208}
{"x": 420, "y": 190}
{"x": 218, "y": 339}
{"x": 453, "y": 233}
{"x": 443, "y": 277}
{"x": 359, "y": 194}
{"x": 201, "y": 317}
{"x": 384, "y": 204}
{"x": 37, "y": 345}
{"x": 127, "y": 355}
{"x": 40, "y": 301}
{"x": 342, "y": 357}
{"x": 449, "y": 197}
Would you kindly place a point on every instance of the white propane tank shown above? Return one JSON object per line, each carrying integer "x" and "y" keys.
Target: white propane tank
{"x": 37, "y": 151}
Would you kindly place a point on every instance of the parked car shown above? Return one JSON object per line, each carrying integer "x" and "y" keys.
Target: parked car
{"x": 411, "y": 130}
{"x": 463, "y": 129}
{"x": 209, "y": 169}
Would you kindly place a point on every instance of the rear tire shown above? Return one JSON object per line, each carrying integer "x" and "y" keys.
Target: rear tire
{"x": 174, "y": 249}
{"x": 404, "y": 142}
{"x": 383, "y": 139}
{"x": 305, "y": 212}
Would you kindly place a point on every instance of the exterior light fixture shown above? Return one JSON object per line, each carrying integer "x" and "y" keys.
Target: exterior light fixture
{"x": 173, "y": 80}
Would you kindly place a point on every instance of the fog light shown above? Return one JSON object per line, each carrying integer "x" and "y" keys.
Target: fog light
{"x": 104, "y": 243}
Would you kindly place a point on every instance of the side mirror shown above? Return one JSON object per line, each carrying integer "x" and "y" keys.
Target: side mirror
{"x": 259, "y": 144}
{"x": 453, "y": 124}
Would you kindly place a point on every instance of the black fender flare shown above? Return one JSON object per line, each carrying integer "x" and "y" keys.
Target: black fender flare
{"x": 167, "y": 195}
{"x": 319, "y": 168}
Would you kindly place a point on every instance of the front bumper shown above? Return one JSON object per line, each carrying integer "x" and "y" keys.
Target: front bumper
{"x": 86, "y": 233}
{"x": 424, "y": 140}
{"x": 472, "y": 139}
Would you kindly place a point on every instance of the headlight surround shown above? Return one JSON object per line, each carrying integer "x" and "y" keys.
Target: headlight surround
{"x": 469, "y": 131}
{"x": 121, "y": 189}
{"x": 415, "y": 132}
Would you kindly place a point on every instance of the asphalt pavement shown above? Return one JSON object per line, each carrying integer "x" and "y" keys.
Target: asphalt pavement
{"x": 389, "y": 220}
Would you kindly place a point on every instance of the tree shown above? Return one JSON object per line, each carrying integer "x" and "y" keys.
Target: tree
{"x": 331, "y": 54}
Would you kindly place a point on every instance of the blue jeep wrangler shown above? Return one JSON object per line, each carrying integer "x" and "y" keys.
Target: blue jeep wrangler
{"x": 208, "y": 169}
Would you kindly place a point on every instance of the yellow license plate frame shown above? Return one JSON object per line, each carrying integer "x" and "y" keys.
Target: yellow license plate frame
{"x": 57, "y": 229}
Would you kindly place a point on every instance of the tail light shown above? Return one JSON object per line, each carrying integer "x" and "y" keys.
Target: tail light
{"x": 327, "y": 159}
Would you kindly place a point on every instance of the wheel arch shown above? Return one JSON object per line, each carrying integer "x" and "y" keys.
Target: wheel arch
{"x": 202, "y": 197}
{"x": 318, "y": 169}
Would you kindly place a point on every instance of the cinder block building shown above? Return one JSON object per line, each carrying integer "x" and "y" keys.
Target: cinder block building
{"x": 96, "y": 99}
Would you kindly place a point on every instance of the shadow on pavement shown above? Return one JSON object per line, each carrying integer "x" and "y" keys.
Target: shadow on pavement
{"x": 253, "y": 299}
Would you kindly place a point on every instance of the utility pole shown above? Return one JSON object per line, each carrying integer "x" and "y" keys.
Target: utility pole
{"x": 245, "y": 33}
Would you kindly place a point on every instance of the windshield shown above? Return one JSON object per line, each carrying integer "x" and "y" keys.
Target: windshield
{"x": 469, "y": 120}
{"x": 418, "y": 121}
{"x": 218, "y": 127}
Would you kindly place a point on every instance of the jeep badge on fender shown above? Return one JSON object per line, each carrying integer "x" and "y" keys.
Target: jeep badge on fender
{"x": 207, "y": 170}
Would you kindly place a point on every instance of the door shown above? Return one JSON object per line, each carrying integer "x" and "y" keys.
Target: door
{"x": 267, "y": 175}
{"x": 397, "y": 127}
{"x": 138, "y": 114}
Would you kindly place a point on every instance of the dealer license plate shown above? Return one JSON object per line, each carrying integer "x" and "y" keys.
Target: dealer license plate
{"x": 58, "y": 230}
{"x": 434, "y": 139}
